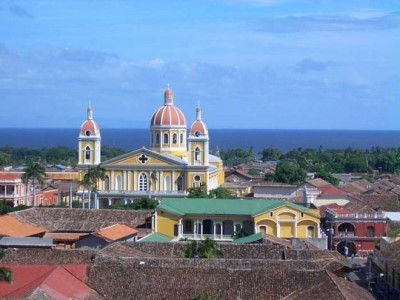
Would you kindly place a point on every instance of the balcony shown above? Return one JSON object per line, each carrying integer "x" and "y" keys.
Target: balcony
{"x": 198, "y": 237}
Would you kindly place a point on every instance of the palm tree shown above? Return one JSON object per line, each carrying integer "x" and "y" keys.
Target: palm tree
{"x": 86, "y": 182}
{"x": 35, "y": 172}
{"x": 209, "y": 249}
{"x": 90, "y": 181}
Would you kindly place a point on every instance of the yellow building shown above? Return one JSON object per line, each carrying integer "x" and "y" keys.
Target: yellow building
{"x": 175, "y": 161}
{"x": 219, "y": 219}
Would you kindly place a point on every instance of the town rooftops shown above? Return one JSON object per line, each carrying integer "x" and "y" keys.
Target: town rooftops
{"x": 116, "y": 232}
{"x": 80, "y": 220}
{"x": 10, "y": 226}
{"x": 156, "y": 237}
{"x": 193, "y": 206}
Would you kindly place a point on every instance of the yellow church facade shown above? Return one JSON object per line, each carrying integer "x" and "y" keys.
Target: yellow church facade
{"x": 220, "y": 219}
{"x": 175, "y": 161}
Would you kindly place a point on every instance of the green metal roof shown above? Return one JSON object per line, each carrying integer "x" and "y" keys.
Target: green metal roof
{"x": 156, "y": 237}
{"x": 249, "y": 239}
{"x": 204, "y": 206}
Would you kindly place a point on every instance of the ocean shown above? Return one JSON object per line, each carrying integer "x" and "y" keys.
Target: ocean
{"x": 284, "y": 140}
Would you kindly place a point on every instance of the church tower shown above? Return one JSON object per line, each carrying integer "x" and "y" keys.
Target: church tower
{"x": 198, "y": 141}
{"x": 168, "y": 128}
{"x": 89, "y": 141}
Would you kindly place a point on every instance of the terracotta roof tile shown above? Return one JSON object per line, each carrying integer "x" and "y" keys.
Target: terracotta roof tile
{"x": 116, "y": 232}
{"x": 10, "y": 226}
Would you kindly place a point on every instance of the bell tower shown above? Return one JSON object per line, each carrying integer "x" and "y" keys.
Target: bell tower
{"x": 198, "y": 141}
{"x": 89, "y": 141}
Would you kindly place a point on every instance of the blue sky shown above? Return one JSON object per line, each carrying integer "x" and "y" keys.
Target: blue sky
{"x": 273, "y": 64}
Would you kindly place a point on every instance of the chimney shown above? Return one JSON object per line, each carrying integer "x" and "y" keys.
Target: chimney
{"x": 310, "y": 194}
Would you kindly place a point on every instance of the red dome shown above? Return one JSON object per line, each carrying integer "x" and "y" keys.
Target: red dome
{"x": 168, "y": 115}
{"x": 90, "y": 127}
{"x": 200, "y": 127}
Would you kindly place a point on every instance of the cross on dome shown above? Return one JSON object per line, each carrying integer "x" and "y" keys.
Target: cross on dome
{"x": 90, "y": 111}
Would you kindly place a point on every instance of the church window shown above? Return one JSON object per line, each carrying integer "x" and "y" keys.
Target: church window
{"x": 167, "y": 183}
{"x": 179, "y": 184}
{"x": 174, "y": 139}
{"x": 181, "y": 139}
{"x": 158, "y": 139}
{"x": 197, "y": 154}
{"x": 107, "y": 183}
{"x": 142, "y": 182}
{"x": 370, "y": 231}
{"x": 166, "y": 138}
{"x": 197, "y": 133}
{"x": 87, "y": 132}
{"x": 87, "y": 153}
{"x": 118, "y": 183}
{"x": 197, "y": 178}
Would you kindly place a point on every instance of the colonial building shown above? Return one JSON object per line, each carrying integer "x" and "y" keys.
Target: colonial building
{"x": 175, "y": 161}
{"x": 220, "y": 219}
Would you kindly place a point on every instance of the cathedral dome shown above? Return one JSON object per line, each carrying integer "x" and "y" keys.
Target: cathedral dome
{"x": 89, "y": 126}
{"x": 168, "y": 114}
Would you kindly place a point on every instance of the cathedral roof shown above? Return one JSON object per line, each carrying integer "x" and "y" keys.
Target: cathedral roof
{"x": 89, "y": 126}
{"x": 168, "y": 114}
{"x": 198, "y": 127}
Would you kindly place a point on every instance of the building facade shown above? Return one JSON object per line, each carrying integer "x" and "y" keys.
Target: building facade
{"x": 175, "y": 161}
{"x": 220, "y": 219}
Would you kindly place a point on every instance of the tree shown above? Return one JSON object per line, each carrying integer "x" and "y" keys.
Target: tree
{"x": 91, "y": 179}
{"x": 153, "y": 180}
{"x": 221, "y": 193}
{"x": 198, "y": 192}
{"x": 325, "y": 175}
{"x": 35, "y": 172}
{"x": 145, "y": 203}
{"x": 271, "y": 154}
{"x": 205, "y": 249}
{"x": 289, "y": 172}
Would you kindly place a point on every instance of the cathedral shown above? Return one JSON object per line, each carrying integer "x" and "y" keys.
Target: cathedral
{"x": 175, "y": 161}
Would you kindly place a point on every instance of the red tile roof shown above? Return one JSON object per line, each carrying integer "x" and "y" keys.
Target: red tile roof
{"x": 55, "y": 282}
{"x": 10, "y": 226}
{"x": 116, "y": 232}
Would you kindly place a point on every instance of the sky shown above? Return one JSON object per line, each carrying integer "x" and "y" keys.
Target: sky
{"x": 266, "y": 64}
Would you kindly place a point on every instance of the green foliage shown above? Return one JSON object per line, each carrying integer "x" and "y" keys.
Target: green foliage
{"x": 142, "y": 203}
{"x": 204, "y": 249}
{"x": 239, "y": 234}
{"x": 269, "y": 177}
{"x": 236, "y": 156}
{"x": 271, "y": 154}
{"x": 6, "y": 208}
{"x": 289, "y": 172}
{"x": 221, "y": 193}
{"x": 394, "y": 233}
{"x": 198, "y": 192}
{"x": 5, "y": 275}
{"x": 253, "y": 172}
{"x": 2, "y": 253}
{"x": 110, "y": 152}
{"x": 325, "y": 175}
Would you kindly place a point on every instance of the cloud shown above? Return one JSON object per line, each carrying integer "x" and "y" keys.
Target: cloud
{"x": 309, "y": 64}
{"x": 312, "y": 23}
{"x": 19, "y": 11}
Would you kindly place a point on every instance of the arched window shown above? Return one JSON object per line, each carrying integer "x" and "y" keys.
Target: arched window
{"x": 158, "y": 139}
{"x": 263, "y": 229}
{"x": 174, "y": 138}
{"x": 310, "y": 231}
{"x": 197, "y": 154}
{"x": 181, "y": 138}
{"x": 87, "y": 153}
{"x": 142, "y": 182}
{"x": 167, "y": 183}
{"x": 107, "y": 183}
{"x": 370, "y": 231}
{"x": 179, "y": 184}
{"x": 166, "y": 138}
{"x": 118, "y": 183}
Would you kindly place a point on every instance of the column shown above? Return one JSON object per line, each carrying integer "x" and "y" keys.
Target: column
{"x": 201, "y": 229}
{"x": 278, "y": 229}
{"x": 153, "y": 223}
{"x": 295, "y": 228}
{"x": 135, "y": 188}
{"x": 129, "y": 180}
{"x": 125, "y": 181}
{"x": 112, "y": 181}
{"x": 180, "y": 228}
{"x": 96, "y": 201}
{"x": 125, "y": 201}
{"x": 109, "y": 201}
{"x": 214, "y": 225}
{"x": 318, "y": 231}
{"x": 195, "y": 229}
{"x": 222, "y": 230}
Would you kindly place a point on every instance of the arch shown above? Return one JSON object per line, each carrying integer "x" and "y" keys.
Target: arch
{"x": 304, "y": 231}
{"x": 142, "y": 182}
{"x": 166, "y": 138}
{"x": 87, "y": 153}
{"x": 179, "y": 183}
{"x": 208, "y": 226}
{"x": 118, "y": 183}
{"x": 248, "y": 227}
{"x": 174, "y": 138}
{"x": 188, "y": 226}
{"x": 107, "y": 183}
{"x": 370, "y": 231}
{"x": 228, "y": 227}
{"x": 218, "y": 228}
{"x": 270, "y": 226}
{"x": 197, "y": 154}
{"x": 346, "y": 248}
{"x": 346, "y": 229}
{"x": 167, "y": 183}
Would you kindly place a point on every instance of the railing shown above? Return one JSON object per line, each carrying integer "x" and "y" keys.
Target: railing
{"x": 355, "y": 215}
{"x": 216, "y": 237}
{"x": 140, "y": 193}
{"x": 346, "y": 233}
